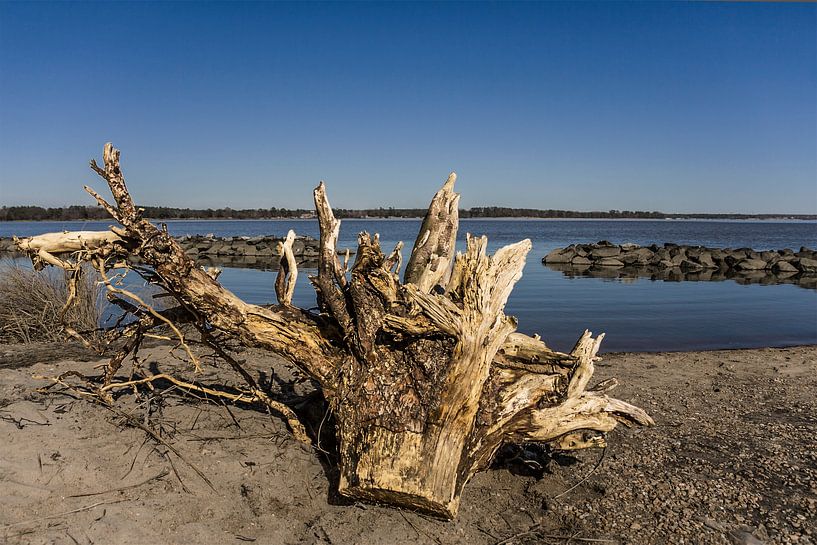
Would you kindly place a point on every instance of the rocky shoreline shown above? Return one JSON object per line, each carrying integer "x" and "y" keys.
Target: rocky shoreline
{"x": 674, "y": 262}
{"x": 248, "y": 252}
{"x": 261, "y": 252}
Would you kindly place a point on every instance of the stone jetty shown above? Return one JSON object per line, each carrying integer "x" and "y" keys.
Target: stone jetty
{"x": 679, "y": 262}
{"x": 259, "y": 252}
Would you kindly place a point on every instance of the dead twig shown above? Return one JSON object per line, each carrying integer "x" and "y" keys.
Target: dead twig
{"x": 537, "y": 527}
{"x": 131, "y": 419}
{"x": 583, "y": 539}
{"x": 161, "y": 474}
{"x": 64, "y": 513}
{"x": 175, "y": 472}
{"x": 595, "y": 467}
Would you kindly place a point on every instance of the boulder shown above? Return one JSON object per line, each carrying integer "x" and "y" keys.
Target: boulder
{"x": 655, "y": 260}
{"x": 734, "y": 257}
{"x": 644, "y": 254}
{"x": 717, "y": 255}
{"x": 605, "y": 251}
{"x": 608, "y": 262}
{"x": 807, "y": 265}
{"x": 217, "y": 248}
{"x": 244, "y": 249}
{"x": 750, "y": 265}
{"x": 629, "y": 258}
{"x": 782, "y": 266}
{"x": 689, "y": 265}
{"x": 706, "y": 261}
{"x": 559, "y": 256}
{"x": 580, "y": 260}
{"x": 629, "y": 247}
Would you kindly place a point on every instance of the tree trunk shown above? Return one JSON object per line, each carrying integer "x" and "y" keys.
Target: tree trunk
{"x": 426, "y": 378}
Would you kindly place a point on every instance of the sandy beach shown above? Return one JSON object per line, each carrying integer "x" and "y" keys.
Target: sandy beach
{"x": 731, "y": 460}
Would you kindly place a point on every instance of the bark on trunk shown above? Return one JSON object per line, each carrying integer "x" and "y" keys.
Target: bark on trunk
{"x": 426, "y": 378}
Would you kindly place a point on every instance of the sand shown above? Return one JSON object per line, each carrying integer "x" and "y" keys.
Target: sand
{"x": 732, "y": 459}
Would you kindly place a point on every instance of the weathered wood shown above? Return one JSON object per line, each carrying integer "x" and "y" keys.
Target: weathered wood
{"x": 415, "y": 400}
{"x": 431, "y": 255}
{"x": 331, "y": 276}
{"x": 287, "y": 271}
{"x": 426, "y": 378}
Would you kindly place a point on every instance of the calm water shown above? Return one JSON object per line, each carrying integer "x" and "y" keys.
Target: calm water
{"x": 639, "y": 315}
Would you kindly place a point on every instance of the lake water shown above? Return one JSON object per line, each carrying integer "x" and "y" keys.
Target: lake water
{"x": 637, "y": 315}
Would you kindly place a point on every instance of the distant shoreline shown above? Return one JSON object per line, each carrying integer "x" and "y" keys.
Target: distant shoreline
{"x": 165, "y": 213}
{"x": 760, "y": 218}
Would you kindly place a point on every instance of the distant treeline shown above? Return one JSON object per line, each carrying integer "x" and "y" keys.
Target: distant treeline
{"x": 67, "y": 213}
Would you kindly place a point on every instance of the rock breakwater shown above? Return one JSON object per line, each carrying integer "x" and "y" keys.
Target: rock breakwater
{"x": 260, "y": 252}
{"x": 680, "y": 262}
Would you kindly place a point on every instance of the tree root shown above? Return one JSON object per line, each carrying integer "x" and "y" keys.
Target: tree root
{"x": 426, "y": 378}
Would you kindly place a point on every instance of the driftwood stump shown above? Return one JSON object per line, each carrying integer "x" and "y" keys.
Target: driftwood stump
{"x": 426, "y": 378}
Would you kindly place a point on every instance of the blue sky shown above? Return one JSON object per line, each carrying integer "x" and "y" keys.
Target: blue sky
{"x": 679, "y": 107}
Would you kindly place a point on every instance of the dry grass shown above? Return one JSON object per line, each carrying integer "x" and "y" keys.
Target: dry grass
{"x": 31, "y": 303}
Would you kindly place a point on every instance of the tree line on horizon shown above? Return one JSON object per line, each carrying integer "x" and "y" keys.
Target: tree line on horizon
{"x": 79, "y": 213}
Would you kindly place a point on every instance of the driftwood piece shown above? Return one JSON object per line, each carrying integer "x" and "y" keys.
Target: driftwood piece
{"x": 426, "y": 378}
{"x": 430, "y": 261}
{"x": 287, "y": 271}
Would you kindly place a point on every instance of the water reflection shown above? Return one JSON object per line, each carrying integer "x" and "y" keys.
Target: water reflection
{"x": 675, "y": 274}
{"x": 259, "y": 262}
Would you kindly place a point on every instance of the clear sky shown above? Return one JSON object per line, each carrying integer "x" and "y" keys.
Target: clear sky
{"x": 679, "y": 107}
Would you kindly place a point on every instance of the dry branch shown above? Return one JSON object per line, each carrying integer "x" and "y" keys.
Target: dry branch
{"x": 287, "y": 271}
{"x": 426, "y": 379}
{"x": 431, "y": 256}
